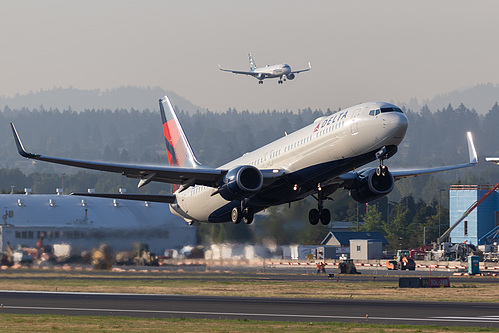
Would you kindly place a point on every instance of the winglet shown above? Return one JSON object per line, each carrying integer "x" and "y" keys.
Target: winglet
{"x": 471, "y": 149}
{"x": 20, "y": 147}
{"x": 309, "y": 66}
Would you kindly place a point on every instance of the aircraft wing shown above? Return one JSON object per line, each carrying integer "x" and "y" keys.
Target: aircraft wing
{"x": 347, "y": 180}
{"x": 238, "y": 72}
{"x": 172, "y": 175}
{"x": 492, "y": 159}
{"x": 302, "y": 70}
{"x": 146, "y": 174}
{"x": 473, "y": 160}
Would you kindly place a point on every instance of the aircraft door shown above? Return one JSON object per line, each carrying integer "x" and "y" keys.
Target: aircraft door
{"x": 354, "y": 126}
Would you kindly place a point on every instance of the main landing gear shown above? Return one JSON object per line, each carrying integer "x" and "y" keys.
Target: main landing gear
{"x": 321, "y": 213}
{"x": 246, "y": 214}
{"x": 260, "y": 82}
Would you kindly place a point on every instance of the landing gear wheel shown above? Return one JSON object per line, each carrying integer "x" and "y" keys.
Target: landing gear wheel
{"x": 248, "y": 215}
{"x": 279, "y": 82}
{"x": 313, "y": 216}
{"x": 235, "y": 215}
{"x": 260, "y": 82}
{"x": 325, "y": 216}
{"x": 381, "y": 170}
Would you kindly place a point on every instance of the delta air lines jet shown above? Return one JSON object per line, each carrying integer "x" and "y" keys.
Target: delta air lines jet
{"x": 313, "y": 161}
{"x": 281, "y": 71}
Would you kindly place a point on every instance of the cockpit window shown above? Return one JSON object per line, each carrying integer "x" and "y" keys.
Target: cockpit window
{"x": 390, "y": 109}
{"x": 371, "y": 113}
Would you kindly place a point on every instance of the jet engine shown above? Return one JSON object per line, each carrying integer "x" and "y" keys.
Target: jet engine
{"x": 372, "y": 185}
{"x": 260, "y": 76}
{"x": 241, "y": 182}
{"x": 290, "y": 76}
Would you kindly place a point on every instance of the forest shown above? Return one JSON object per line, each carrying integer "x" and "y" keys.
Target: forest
{"x": 434, "y": 138}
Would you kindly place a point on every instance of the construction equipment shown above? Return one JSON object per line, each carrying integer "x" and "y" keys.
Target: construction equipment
{"x": 143, "y": 257}
{"x": 402, "y": 262}
{"x": 347, "y": 267}
{"x": 102, "y": 258}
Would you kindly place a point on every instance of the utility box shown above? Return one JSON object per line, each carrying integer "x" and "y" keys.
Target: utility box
{"x": 473, "y": 265}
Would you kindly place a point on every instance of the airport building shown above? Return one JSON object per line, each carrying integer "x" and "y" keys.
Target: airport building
{"x": 481, "y": 226}
{"x": 87, "y": 222}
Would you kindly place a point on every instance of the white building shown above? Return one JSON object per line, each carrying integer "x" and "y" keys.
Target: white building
{"x": 85, "y": 222}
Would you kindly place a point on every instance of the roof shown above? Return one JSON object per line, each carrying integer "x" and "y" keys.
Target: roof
{"x": 344, "y": 237}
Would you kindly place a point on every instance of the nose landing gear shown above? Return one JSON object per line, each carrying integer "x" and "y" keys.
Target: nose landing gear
{"x": 381, "y": 155}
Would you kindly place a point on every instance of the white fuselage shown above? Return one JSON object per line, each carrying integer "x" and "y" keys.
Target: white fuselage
{"x": 345, "y": 134}
{"x": 273, "y": 71}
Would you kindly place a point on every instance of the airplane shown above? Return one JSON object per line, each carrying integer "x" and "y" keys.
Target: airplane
{"x": 281, "y": 71}
{"x": 318, "y": 159}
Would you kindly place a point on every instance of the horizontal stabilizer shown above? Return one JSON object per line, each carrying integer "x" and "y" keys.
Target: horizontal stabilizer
{"x": 163, "y": 198}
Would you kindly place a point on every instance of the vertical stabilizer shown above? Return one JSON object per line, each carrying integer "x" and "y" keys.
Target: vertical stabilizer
{"x": 178, "y": 148}
{"x": 251, "y": 62}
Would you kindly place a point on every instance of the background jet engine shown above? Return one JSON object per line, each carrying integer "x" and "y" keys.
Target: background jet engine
{"x": 241, "y": 182}
{"x": 371, "y": 186}
{"x": 290, "y": 76}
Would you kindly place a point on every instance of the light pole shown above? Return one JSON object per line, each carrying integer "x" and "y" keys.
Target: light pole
{"x": 388, "y": 203}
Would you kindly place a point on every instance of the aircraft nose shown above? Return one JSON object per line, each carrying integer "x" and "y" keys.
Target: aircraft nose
{"x": 397, "y": 123}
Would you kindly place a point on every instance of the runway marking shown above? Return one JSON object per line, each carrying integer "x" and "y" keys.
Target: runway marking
{"x": 484, "y": 319}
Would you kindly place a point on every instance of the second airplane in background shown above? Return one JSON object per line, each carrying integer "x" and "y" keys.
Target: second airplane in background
{"x": 281, "y": 71}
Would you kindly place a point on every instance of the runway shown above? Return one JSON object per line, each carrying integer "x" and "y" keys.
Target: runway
{"x": 280, "y": 309}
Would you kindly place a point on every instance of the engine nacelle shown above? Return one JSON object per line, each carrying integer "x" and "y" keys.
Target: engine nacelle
{"x": 290, "y": 76}
{"x": 241, "y": 182}
{"x": 260, "y": 76}
{"x": 371, "y": 186}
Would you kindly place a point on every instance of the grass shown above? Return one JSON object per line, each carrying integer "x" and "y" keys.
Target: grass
{"x": 55, "y": 323}
{"x": 218, "y": 284}
{"x": 240, "y": 285}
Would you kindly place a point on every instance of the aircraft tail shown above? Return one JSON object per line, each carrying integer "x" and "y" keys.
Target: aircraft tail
{"x": 251, "y": 62}
{"x": 178, "y": 148}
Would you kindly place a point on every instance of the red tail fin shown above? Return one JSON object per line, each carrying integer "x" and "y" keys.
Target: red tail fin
{"x": 178, "y": 148}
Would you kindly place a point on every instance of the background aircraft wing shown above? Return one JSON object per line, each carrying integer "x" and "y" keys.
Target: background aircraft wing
{"x": 238, "y": 72}
{"x": 492, "y": 159}
{"x": 303, "y": 70}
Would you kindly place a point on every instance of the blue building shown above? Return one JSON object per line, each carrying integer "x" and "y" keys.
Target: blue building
{"x": 481, "y": 226}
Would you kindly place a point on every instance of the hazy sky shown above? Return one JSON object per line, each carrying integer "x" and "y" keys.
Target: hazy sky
{"x": 359, "y": 50}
